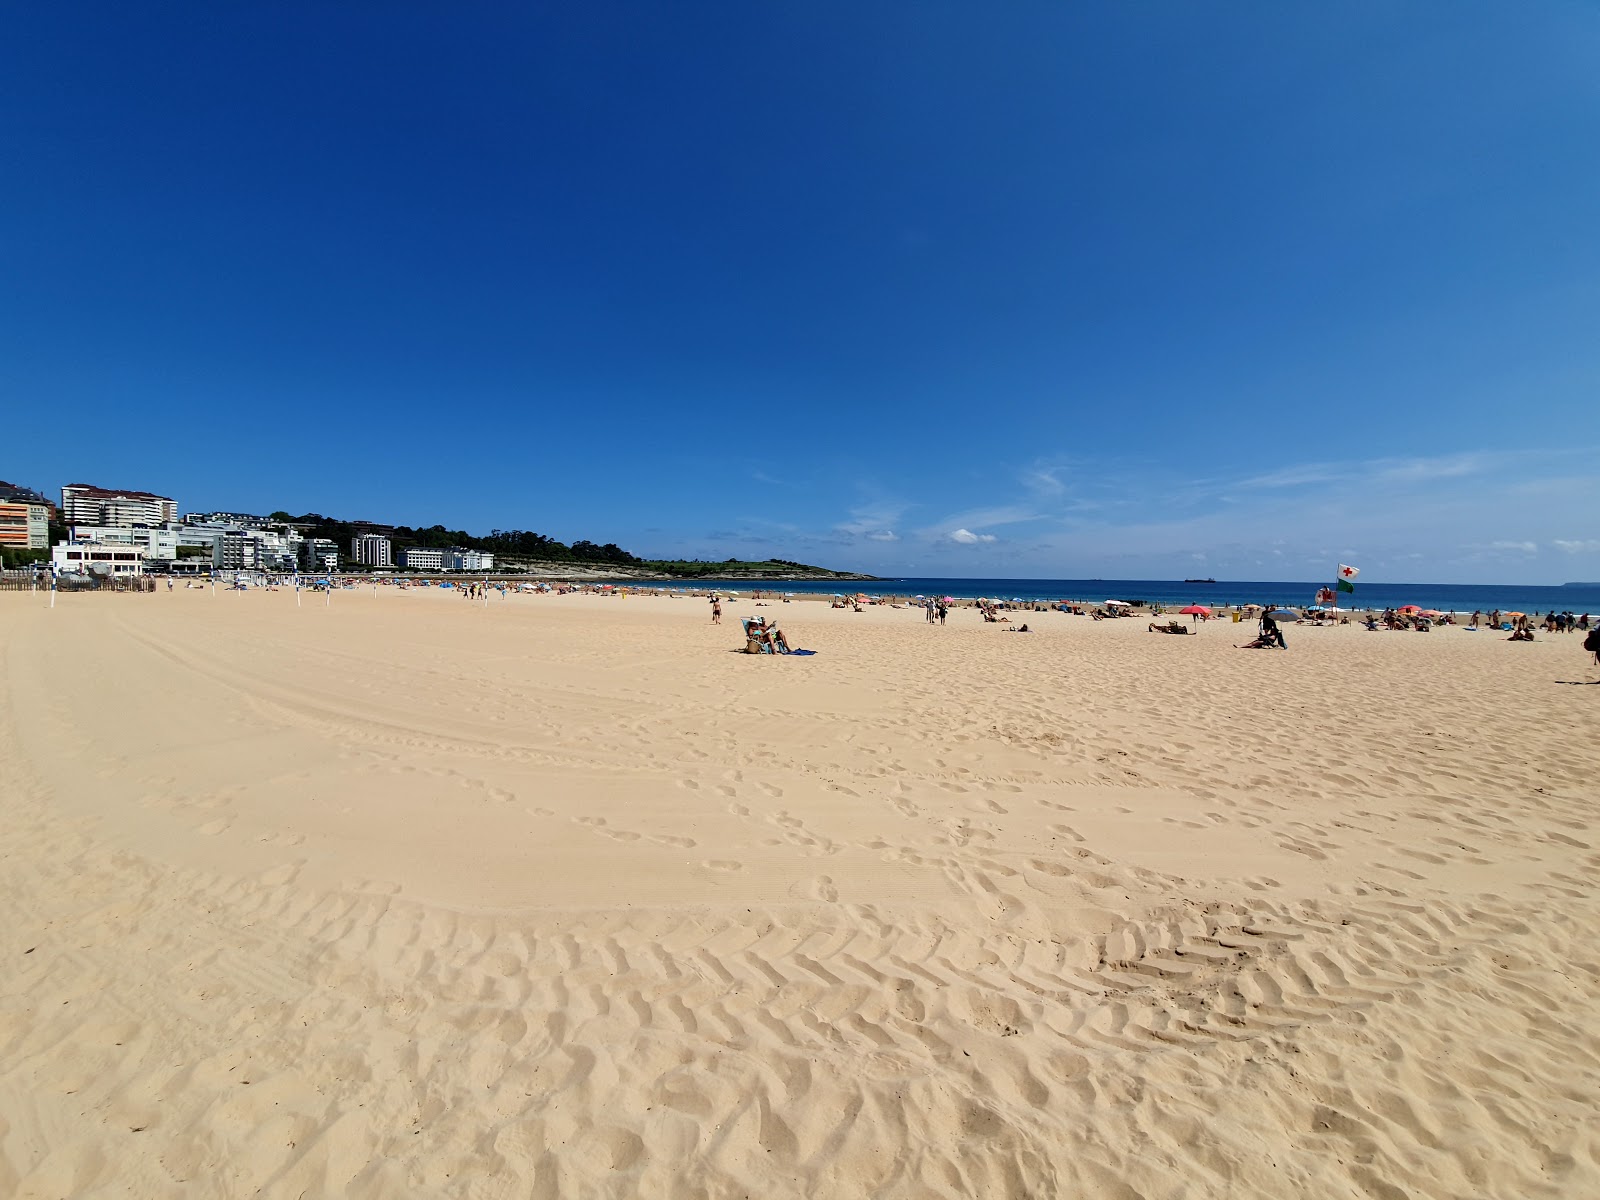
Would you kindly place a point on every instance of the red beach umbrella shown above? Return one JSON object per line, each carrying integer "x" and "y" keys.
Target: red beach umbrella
{"x": 1194, "y": 609}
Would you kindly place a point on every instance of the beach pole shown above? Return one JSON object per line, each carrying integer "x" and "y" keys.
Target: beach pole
{"x": 52, "y": 587}
{"x": 297, "y": 589}
{"x": 327, "y": 595}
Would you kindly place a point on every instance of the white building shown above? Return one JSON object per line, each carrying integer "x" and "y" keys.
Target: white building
{"x": 422, "y": 558}
{"x": 372, "y": 550}
{"x": 158, "y": 542}
{"x": 86, "y": 504}
{"x": 469, "y": 560}
{"x": 79, "y": 558}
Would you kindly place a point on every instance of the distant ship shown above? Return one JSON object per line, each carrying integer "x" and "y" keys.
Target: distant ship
{"x": 1199, "y": 580}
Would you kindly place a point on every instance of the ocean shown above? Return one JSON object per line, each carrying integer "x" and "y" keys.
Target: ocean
{"x": 1448, "y": 597}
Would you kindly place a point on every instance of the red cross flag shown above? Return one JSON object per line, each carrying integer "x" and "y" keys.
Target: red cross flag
{"x": 1348, "y": 572}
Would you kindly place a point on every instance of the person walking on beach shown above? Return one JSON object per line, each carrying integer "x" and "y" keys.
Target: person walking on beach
{"x": 716, "y": 611}
{"x": 943, "y": 611}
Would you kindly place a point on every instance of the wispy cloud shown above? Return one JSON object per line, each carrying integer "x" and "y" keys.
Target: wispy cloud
{"x": 1584, "y": 546}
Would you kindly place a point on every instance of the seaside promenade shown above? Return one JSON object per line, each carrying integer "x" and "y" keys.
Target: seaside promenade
{"x": 402, "y": 895}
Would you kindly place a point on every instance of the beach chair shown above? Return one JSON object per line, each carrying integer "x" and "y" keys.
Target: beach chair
{"x": 757, "y": 637}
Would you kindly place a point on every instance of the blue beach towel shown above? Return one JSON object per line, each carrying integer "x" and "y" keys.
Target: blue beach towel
{"x": 802, "y": 652}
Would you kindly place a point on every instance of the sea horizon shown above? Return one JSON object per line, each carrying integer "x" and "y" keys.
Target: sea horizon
{"x": 1448, "y": 597}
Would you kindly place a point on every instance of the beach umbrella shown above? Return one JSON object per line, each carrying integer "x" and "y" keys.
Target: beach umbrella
{"x": 1195, "y": 609}
{"x": 1284, "y": 614}
{"x": 1118, "y": 604}
{"x": 1430, "y": 612}
{"x": 1409, "y": 608}
{"x": 1505, "y": 614}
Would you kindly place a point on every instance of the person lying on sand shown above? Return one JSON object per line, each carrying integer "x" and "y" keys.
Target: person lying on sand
{"x": 1169, "y": 627}
{"x": 1014, "y": 629}
{"x": 1262, "y": 641}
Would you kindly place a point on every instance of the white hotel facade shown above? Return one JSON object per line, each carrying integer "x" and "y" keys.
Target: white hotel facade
{"x": 424, "y": 558}
{"x": 372, "y": 550}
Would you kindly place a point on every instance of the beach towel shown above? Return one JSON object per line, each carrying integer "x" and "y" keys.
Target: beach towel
{"x": 805, "y": 653}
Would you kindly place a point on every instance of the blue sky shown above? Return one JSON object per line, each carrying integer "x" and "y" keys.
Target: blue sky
{"x": 1023, "y": 289}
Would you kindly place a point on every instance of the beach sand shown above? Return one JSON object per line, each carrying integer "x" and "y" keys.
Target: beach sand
{"x": 408, "y": 896}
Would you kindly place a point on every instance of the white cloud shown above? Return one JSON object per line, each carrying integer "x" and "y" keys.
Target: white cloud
{"x": 881, "y": 535}
{"x": 1516, "y": 547}
{"x": 965, "y": 537}
{"x": 1587, "y": 546}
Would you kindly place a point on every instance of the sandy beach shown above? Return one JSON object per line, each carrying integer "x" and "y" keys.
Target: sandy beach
{"x": 403, "y": 895}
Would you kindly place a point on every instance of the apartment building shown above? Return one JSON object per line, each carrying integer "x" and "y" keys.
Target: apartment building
{"x": 86, "y": 504}
{"x": 24, "y": 518}
{"x": 469, "y": 560}
{"x": 318, "y": 554}
{"x": 24, "y": 526}
{"x": 372, "y": 550}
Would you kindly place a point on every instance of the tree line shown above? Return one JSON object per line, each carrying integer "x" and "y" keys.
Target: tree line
{"x": 504, "y": 543}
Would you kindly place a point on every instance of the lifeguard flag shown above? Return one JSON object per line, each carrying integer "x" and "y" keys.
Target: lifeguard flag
{"x": 1346, "y": 576}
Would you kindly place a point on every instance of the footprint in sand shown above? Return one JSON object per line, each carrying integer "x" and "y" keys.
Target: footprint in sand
{"x": 722, "y": 864}
{"x": 212, "y": 828}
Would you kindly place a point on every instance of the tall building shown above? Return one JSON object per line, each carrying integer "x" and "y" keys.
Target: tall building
{"x": 372, "y": 550}
{"x": 85, "y": 504}
{"x": 422, "y": 558}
